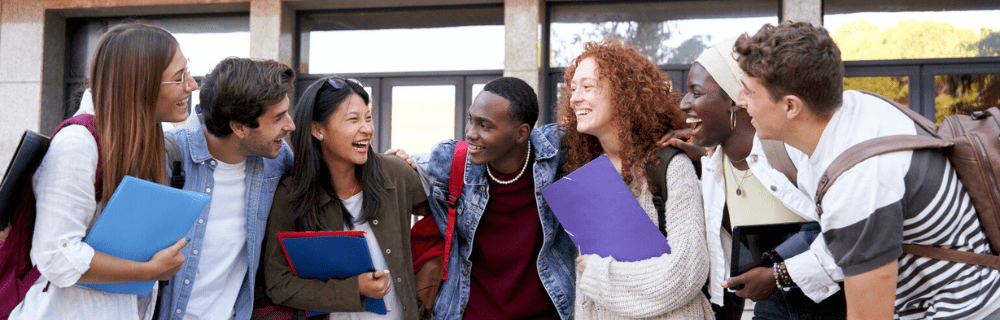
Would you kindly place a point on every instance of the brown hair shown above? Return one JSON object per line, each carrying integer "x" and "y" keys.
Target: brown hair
{"x": 795, "y": 58}
{"x": 241, "y": 90}
{"x": 641, "y": 100}
{"x": 125, "y": 78}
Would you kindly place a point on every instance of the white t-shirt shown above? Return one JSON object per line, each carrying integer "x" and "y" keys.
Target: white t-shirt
{"x": 223, "y": 259}
{"x": 392, "y": 304}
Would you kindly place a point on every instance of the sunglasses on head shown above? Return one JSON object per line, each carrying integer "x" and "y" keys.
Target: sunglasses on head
{"x": 338, "y": 83}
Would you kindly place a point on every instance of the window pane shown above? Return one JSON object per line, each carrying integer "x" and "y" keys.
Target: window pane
{"x": 895, "y": 88}
{"x": 422, "y": 116}
{"x": 913, "y": 30}
{"x": 206, "y": 41}
{"x": 965, "y": 93}
{"x": 476, "y": 88}
{"x": 403, "y": 40}
{"x": 674, "y": 32}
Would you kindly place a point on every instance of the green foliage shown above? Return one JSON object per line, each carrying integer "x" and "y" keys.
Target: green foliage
{"x": 911, "y": 39}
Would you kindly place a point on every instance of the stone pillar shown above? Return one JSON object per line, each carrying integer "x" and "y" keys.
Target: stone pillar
{"x": 802, "y": 10}
{"x": 272, "y": 26}
{"x": 21, "y": 53}
{"x": 522, "y": 47}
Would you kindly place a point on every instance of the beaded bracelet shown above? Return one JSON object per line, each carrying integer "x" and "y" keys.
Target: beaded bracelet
{"x": 781, "y": 277}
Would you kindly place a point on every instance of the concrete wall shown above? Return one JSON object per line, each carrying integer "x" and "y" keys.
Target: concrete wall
{"x": 21, "y": 52}
{"x": 802, "y": 10}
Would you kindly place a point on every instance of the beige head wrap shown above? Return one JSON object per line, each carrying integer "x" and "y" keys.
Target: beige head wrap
{"x": 721, "y": 63}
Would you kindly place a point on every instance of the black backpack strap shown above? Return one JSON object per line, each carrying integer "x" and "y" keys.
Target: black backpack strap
{"x": 174, "y": 161}
{"x": 176, "y": 181}
{"x": 658, "y": 176}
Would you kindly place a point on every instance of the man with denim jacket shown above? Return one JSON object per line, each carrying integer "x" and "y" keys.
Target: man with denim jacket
{"x": 509, "y": 252}
{"x": 237, "y": 157}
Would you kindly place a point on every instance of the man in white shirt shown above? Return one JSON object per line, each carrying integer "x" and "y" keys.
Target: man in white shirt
{"x": 793, "y": 89}
{"x": 236, "y": 156}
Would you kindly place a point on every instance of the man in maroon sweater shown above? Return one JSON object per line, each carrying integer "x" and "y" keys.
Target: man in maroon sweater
{"x": 511, "y": 259}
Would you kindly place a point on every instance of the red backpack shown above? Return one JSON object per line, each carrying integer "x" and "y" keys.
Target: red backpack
{"x": 17, "y": 207}
{"x": 17, "y": 200}
{"x": 429, "y": 249}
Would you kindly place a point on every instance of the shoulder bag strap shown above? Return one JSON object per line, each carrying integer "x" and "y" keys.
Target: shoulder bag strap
{"x": 778, "y": 157}
{"x": 174, "y": 160}
{"x": 456, "y": 180}
{"x": 87, "y": 121}
{"x": 867, "y": 149}
{"x": 658, "y": 173}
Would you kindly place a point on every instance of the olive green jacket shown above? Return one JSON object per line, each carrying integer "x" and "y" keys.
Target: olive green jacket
{"x": 391, "y": 226}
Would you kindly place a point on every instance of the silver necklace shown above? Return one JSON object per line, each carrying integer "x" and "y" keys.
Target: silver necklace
{"x": 525, "y": 166}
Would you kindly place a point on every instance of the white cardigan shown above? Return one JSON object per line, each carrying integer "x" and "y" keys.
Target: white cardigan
{"x": 664, "y": 287}
{"x": 815, "y": 271}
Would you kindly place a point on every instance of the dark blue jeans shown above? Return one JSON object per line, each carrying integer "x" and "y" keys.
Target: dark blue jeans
{"x": 794, "y": 305}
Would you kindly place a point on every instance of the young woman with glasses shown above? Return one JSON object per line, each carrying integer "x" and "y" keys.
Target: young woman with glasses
{"x": 138, "y": 79}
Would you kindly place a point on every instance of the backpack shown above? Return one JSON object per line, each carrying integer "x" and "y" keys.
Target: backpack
{"x": 658, "y": 175}
{"x": 17, "y": 202}
{"x": 971, "y": 144}
{"x": 430, "y": 250}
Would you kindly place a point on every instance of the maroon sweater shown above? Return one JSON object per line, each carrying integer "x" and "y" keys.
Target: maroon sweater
{"x": 505, "y": 282}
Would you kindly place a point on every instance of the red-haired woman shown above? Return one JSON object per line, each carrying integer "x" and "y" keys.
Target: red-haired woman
{"x": 618, "y": 103}
{"x": 138, "y": 78}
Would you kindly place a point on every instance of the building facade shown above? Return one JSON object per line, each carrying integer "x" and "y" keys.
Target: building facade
{"x": 423, "y": 61}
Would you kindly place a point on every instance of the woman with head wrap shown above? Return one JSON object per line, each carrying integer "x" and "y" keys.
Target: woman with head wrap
{"x": 741, "y": 188}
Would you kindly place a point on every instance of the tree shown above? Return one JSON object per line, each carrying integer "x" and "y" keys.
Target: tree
{"x": 648, "y": 37}
{"x": 910, "y": 39}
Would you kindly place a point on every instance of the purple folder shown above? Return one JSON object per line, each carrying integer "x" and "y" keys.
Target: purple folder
{"x": 601, "y": 216}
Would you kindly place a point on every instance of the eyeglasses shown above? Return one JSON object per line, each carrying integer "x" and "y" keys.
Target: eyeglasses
{"x": 183, "y": 78}
{"x": 338, "y": 83}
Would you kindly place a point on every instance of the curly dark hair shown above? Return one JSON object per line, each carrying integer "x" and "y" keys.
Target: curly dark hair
{"x": 641, "y": 99}
{"x": 795, "y": 58}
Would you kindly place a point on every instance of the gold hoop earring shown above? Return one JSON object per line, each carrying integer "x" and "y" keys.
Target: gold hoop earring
{"x": 732, "y": 117}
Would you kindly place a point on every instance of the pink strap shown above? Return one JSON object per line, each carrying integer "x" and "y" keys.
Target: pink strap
{"x": 456, "y": 180}
{"x": 87, "y": 121}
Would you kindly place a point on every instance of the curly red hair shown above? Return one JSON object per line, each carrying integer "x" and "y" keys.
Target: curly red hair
{"x": 641, "y": 99}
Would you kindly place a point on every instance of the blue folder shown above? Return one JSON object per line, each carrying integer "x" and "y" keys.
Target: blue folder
{"x": 328, "y": 255}
{"x": 139, "y": 220}
{"x": 602, "y": 216}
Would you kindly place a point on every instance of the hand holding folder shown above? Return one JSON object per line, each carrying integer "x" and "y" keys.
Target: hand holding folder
{"x": 326, "y": 255}
{"x": 602, "y": 216}
{"x": 140, "y": 219}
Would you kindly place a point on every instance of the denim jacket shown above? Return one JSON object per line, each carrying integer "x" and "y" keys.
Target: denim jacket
{"x": 556, "y": 259}
{"x": 262, "y": 177}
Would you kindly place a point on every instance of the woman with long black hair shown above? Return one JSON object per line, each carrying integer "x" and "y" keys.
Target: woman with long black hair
{"x": 338, "y": 182}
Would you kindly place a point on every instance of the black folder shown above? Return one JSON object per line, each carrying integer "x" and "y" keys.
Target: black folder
{"x": 750, "y": 243}
{"x": 17, "y": 178}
